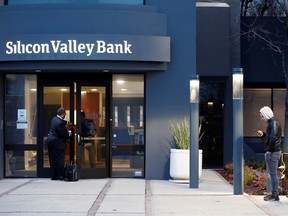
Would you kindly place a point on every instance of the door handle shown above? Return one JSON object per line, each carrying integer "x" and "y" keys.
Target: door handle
{"x": 79, "y": 139}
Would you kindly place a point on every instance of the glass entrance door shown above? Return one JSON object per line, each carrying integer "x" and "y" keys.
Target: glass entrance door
{"x": 108, "y": 138}
{"x": 85, "y": 106}
{"x": 52, "y": 96}
{"x": 92, "y": 137}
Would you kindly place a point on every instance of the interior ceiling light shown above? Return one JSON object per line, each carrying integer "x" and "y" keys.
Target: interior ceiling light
{"x": 123, "y": 89}
{"x": 120, "y": 81}
{"x": 63, "y": 89}
{"x": 94, "y": 89}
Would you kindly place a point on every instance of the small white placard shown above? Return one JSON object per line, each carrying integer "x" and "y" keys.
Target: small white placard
{"x": 22, "y": 120}
{"x": 22, "y": 124}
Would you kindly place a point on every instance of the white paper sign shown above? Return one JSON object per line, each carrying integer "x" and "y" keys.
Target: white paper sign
{"x": 22, "y": 120}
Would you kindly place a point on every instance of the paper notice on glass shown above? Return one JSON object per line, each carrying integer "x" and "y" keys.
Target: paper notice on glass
{"x": 22, "y": 124}
{"x": 22, "y": 120}
{"x": 22, "y": 115}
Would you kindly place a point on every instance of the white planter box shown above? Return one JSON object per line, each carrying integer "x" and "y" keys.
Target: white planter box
{"x": 180, "y": 164}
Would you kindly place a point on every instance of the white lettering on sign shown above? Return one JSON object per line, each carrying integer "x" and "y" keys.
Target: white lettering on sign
{"x": 20, "y": 48}
{"x": 72, "y": 47}
{"x": 102, "y": 47}
{"x": 68, "y": 47}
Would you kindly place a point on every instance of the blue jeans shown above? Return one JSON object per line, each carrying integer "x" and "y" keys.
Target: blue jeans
{"x": 272, "y": 159}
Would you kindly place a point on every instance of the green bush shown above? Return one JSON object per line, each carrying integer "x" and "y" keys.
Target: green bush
{"x": 255, "y": 177}
{"x": 180, "y": 133}
{"x": 229, "y": 168}
{"x": 249, "y": 175}
{"x": 255, "y": 164}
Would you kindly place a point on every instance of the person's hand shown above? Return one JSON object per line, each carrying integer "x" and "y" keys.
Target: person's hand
{"x": 259, "y": 133}
{"x": 69, "y": 125}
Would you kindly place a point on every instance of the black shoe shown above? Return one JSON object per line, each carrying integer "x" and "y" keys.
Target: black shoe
{"x": 267, "y": 196}
{"x": 271, "y": 197}
{"x": 61, "y": 178}
{"x": 53, "y": 178}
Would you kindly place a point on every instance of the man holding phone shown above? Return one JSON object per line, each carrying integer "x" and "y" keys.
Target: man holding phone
{"x": 272, "y": 148}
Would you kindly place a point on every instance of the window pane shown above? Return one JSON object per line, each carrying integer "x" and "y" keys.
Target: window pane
{"x": 20, "y": 163}
{"x": 20, "y": 110}
{"x": 20, "y": 125}
{"x": 279, "y": 105}
{"x": 128, "y": 126}
{"x": 254, "y": 100}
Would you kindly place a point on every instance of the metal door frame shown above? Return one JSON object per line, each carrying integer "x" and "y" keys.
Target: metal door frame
{"x": 81, "y": 80}
{"x": 105, "y": 172}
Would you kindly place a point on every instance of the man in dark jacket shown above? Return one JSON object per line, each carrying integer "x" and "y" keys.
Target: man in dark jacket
{"x": 56, "y": 143}
{"x": 272, "y": 141}
{"x": 88, "y": 131}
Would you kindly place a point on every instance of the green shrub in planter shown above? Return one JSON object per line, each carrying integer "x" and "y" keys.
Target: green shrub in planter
{"x": 181, "y": 133}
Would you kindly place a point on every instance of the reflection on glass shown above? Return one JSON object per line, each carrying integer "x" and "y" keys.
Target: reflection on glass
{"x": 19, "y": 97}
{"x": 128, "y": 126}
{"x": 279, "y": 106}
{"x": 253, "y": 101}
{"x": 20, "y": 122}
{"x": 54, "y": 98}
{"x": 20, "y": 163}
{"x": 93, "y": 148}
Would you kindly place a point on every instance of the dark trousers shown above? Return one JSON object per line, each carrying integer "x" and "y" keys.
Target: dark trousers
{"x": 56, "y": 158}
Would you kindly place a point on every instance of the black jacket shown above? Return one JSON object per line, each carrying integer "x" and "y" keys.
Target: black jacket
{"x": 272, "y": 137}
{"x": 58, "y": 134}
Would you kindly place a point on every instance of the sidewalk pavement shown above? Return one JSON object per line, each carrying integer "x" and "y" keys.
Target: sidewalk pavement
{"x": 131, "y": 197}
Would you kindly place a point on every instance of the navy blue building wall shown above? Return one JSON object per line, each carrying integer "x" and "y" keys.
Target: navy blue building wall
{"x": 217, "y": 53}
{"x": 168, "y": 92}
{"x": 81, "y": 19}
{"x": 213, "y": 46}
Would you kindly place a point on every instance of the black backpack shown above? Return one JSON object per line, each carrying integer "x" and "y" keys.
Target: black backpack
{"x": 71, "y": 173}
{"x": 90, "y": 128}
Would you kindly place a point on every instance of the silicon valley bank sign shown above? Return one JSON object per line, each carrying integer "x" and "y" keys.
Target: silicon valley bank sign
{"x": 84, "y": 47}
